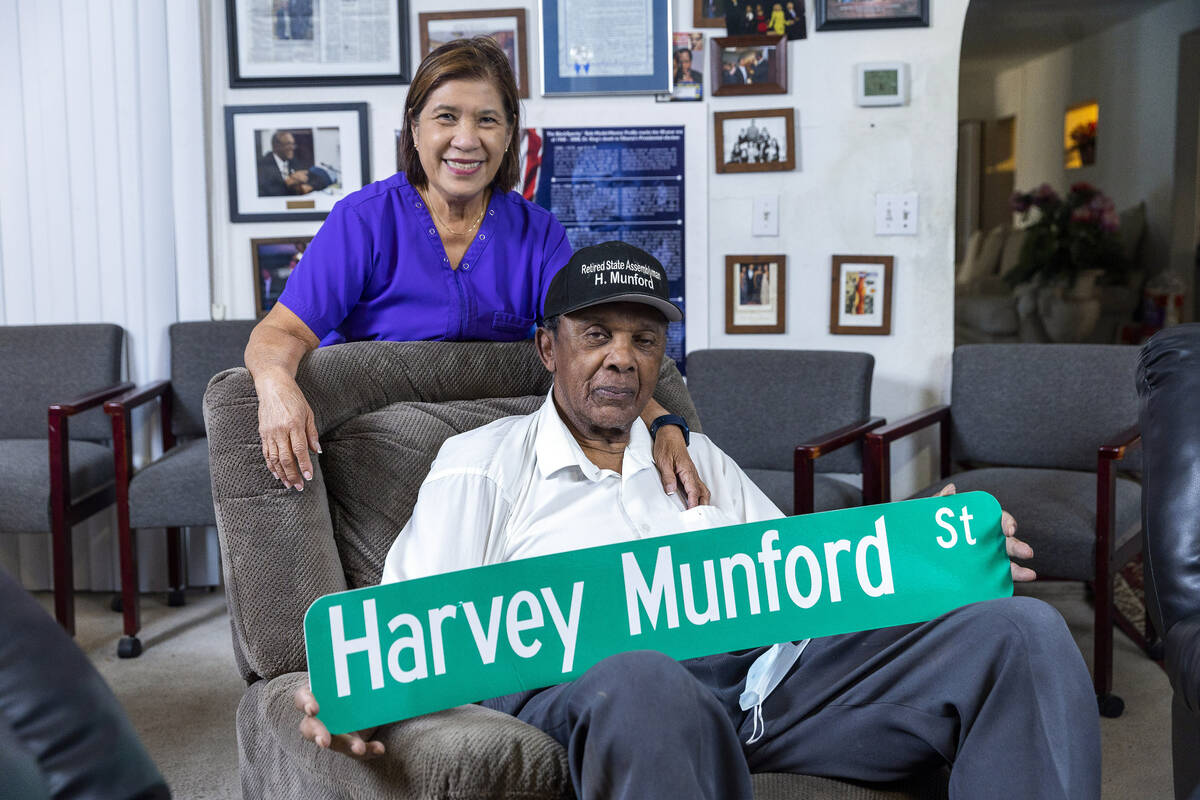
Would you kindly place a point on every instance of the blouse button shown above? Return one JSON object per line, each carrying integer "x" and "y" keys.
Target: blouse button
{"x": 432, "y": 231}
{"x": 465, "y": 265}
{"x": 491, "y": 212}
{"x": 416, "y": 205}
{"x": 482, "y": 236}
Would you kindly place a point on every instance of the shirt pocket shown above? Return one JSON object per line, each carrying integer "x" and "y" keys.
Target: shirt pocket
{"x": 511, "y": 326}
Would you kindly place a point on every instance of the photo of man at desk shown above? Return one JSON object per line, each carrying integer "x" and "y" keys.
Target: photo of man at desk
{"x": 984, "y": 687}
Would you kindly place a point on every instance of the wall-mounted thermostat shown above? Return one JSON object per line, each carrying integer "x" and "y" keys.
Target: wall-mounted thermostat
{"x": 881, "y": 83}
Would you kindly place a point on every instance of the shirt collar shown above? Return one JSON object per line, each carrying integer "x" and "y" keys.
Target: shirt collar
{"x": 555, "y": 448}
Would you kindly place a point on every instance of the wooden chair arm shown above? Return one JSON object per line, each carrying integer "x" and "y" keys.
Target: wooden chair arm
{"x": 803, "y": 469}
{"x": 119, "y": 410}
{"x": 73, "y": 407}
{"x": 877, "y": 465}
{"x": 138, "y": 396}
{"x": 1114, "y": 449}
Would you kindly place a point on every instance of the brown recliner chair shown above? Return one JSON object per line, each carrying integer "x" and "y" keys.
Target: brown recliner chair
{"x": 382, "y": 409}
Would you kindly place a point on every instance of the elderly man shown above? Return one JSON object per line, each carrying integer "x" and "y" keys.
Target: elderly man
{"x": 996, "y": 689}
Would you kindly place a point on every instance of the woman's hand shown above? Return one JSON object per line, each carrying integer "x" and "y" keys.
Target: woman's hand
{"x": 285, "y": 421}
{"x": 287, "y": 429}
{"x": 358, "y": 744}
{"x": 675, "y": 467}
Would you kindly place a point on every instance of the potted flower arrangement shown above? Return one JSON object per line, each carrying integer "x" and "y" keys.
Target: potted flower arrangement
{"x": 1070, "y": 244}
{"x": 1083, "y": 139}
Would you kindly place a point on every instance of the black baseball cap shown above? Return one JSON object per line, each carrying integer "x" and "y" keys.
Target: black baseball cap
{"x": 610, "y": 272}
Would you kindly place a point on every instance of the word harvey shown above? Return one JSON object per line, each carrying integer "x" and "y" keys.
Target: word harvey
{"x": 520, "y": 620}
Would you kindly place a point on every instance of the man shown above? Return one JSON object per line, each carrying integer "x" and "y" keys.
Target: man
{"x": 277, "y": 172}
{"x": 998, "y": 689}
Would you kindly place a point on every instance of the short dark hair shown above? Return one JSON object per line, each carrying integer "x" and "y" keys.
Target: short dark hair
{"x": 475, "y": 59}
{"x": 549, "y": 323}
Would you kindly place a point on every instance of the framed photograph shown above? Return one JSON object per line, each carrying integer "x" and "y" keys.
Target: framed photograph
{"x": 505, "y": 25}
{"x": 309, "y": 43}
{"x": 839, "y": 15}
{"x": 709, "y": 13}
{"x": 294, "y": 162}
{"x": 687, "y": 60}
{"x": 605, "y": 48}
{"x": 749, "y": 65}
{"x": 755, "y": 294}
{"x": 274, "y": 260}
{"x": 763, "y": 140}
{"x": 861, "y": 295}
{"x": 881, "y": 83}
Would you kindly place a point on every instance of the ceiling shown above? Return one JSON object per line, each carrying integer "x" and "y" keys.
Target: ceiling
{"x": 1003, "y": 33}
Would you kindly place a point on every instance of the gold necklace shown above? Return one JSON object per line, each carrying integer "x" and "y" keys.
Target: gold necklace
{"x": 438, "y": 219}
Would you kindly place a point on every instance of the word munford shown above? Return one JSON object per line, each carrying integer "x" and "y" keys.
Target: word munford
{"x": 384, "y": 653}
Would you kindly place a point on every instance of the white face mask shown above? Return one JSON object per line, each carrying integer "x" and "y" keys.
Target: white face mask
{"x": 767, "y": 671}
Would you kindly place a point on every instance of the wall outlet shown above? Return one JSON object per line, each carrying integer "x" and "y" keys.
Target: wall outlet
{"x": 766, "y": 215}
{"x": 896, "y": 214}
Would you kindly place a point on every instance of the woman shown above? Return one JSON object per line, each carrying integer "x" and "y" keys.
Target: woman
{"x": 442, "y": 250}
{"x": 777, "y": 23}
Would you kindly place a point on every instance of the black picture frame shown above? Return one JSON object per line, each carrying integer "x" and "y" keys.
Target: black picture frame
{"x": 314, "y": 73}
{"x": 240, "y": 144}
{"x": 867, "y": 14}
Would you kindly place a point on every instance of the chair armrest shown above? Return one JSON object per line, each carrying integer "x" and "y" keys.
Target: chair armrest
{"x": 119, "y": 409}
{"x": 803, "y": 468}
{"x": 70, "y": 408}
{"x": 136, "y": 397}
{"x": 1114, "y": 449}
{"x": 877, "y": 466}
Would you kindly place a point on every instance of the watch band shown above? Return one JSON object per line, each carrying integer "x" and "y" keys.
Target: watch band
{"x": 672, "y": 419}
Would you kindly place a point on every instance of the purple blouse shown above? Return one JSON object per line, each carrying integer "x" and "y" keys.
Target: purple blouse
{"x": 377, "y": 270}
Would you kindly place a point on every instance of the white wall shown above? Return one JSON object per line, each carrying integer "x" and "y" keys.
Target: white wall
{"x": 846, "y": 155}
{"x": 102, "y": 206}
{"x": 1132, "y": 71}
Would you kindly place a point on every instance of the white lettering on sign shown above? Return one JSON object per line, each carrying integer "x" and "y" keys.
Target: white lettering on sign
{"x": 568, "y": 629}
{"x": 965, "y": 518}
{"x": 659, "y": 594}
{"x": 368, "y": 643}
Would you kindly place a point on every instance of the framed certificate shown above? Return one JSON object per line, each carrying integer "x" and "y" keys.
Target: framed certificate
{"x": 615, "y": 47}
{"x": 307, "y": 43}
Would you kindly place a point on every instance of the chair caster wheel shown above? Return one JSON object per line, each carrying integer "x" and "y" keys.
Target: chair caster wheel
{"x": 116, "y": 604}
{"x": 129, "y": 647}
{"x": 1110, "y": 705}
{"x": 176, "y": 597}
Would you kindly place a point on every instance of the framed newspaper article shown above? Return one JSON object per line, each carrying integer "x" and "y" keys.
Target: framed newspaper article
{"x": 313, "y": 43}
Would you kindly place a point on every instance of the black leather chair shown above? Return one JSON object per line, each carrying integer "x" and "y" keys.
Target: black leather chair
{"x": 1168, "y": 381}
{"x": 62, "y": 731}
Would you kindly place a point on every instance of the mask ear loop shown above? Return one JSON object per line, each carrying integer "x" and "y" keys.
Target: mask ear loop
{"x": 760, "y": 727}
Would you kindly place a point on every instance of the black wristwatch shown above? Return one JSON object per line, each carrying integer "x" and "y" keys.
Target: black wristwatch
{"x": 672, "y": 419}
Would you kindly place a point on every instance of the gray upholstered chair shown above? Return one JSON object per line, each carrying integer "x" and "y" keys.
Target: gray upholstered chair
{"x": 172, "y": 491}
{"x": 382, "y": 410}
{"x": 776, "y": 411}
{"x": 56, "y": 375}
{"x": 1041, "y": 427}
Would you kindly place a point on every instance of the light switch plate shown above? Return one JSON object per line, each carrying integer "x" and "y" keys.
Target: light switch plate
{"x": 766, "y": 215}
{"x": 896, "y": 214}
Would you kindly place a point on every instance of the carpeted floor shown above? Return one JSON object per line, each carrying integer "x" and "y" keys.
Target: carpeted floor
{"x": 182, "y": 693}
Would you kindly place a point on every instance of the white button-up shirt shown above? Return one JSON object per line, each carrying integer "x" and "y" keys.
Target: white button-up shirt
{"x": 523, "y": 487}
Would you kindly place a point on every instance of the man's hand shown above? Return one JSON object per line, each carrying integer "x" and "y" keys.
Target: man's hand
{"x": 1013, "y": 546}
{"x": 675, "y": 467}
{"x": 358, "y": 745}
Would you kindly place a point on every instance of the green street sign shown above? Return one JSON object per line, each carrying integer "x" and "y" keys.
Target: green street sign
{"x": 385, "y": 653}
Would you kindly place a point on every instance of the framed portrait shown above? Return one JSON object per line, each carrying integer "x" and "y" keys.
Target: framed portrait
{"x": 505, "y": 25}
{"x": 709, "y": 13}
{"x": 838, "y": 15}
{"x": 605, "y": 48}
{"x": 749, "y": 65}
{"x": 294, "y": 162}
{"x": 755, "y": 294}
{"x": 687, "y": 63}
{"x": 861, "y": 295}
{"x": 762, "y": 140}
{"x": 274, "y": 260}
{"x": 310, "y": 43}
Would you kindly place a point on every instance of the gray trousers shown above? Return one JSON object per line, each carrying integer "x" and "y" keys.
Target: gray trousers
{"x": 998, "y": 690}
